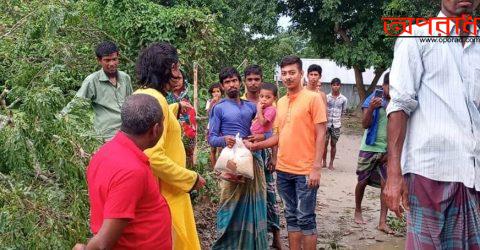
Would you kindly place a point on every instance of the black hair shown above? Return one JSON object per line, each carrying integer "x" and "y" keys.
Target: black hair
{"x": 314, "y": 67}
{"x": 271, "y": 87}
{"x": 154, "y": 66}
{"x": 105, "y": 48}
{"x": 335, "y": 80}
{"x": 289, "y": 60}
{"x": 253, "y": 69}
{"x": 139, "y": 113}
{"x": 228, "y": 72}
{"x": 215, "y": 86}
{"x": 386, "y": 79}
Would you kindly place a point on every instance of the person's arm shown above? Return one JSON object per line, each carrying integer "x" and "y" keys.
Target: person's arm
{"x": 125, "y": 190}
{"x": 268, "y": 143}
{"x": 108, "y": 235}
{"x": 344, "y": 106}
{"x": 273, "y": 160}
{"x": 162, "y": 166}
{"x": 215, "y": 139}
{"x": 315, "y": 173}
{"x": 86, "y": 91}
{"x": 129, "y": 86}
{"x": 260, "y": 116}
{"x": 405, "y": 81}
{"x": 395, "y": 191}
{"x": 368, "y": 112}
{"x": 318, "y": 111}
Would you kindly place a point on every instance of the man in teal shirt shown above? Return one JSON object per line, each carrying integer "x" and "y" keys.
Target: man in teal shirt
{"x": 372, "y": 159}
{"x": 107, "y": 90}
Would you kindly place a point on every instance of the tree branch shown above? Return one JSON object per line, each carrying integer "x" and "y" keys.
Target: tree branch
{"x": 16, "y": 25}
{"x": 5, "y": 120}
{"x": 36, "y": 163}
{"x": 342, "y": 33}
{"x": 373, "y": 84}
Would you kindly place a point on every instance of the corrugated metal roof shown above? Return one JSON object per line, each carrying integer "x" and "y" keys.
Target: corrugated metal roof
{"x": 331, "y": 69}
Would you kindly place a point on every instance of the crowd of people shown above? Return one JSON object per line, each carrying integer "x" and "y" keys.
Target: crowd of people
{"x": 421, "y": 147}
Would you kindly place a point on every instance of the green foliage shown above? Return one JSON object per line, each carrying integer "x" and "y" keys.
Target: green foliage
{"x": 47, "y": 49}
{"x": 399, "y": 226}
{"x": 351, "y": 32}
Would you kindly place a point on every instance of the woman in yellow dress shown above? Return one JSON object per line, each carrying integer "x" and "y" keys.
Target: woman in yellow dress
{"x": 156, "y": 65}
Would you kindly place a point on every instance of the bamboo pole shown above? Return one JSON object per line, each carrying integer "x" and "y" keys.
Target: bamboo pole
{"x": 195, "y": 86}
{"x": 195, "y": 106}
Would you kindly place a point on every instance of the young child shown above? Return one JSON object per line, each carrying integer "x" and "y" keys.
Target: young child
{"x": 266, "y": 112}
{"x": 216, "y": 93}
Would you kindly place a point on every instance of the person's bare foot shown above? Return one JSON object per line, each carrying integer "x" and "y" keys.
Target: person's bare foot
{"x": 330, "y": 166}
{"x": 385, "y": 228}
{"x": 359, "y": 217}
{"x": 324, "y": 165}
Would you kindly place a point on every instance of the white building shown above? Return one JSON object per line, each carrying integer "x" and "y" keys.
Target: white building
{"x": 331, "y": 70}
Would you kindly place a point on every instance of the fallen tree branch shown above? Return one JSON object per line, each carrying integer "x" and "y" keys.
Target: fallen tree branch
{"x": 13, "y": 103}
{"x": 16, "y": 25}
{"x": 36, "y": 164}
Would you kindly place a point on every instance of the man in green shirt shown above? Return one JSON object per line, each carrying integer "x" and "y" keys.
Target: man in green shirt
{"x": 372, "y": 159}
{"x": 107, "y": 90}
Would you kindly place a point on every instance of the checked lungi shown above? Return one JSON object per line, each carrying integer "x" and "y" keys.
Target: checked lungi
{"x": 443, "y": 215}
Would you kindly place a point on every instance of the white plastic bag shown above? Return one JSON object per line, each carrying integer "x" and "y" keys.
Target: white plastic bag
{"x": 226, "y": 155}
{"x": 240, "y": 155}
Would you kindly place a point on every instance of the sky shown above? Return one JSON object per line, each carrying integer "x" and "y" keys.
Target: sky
{"x": 284, "y": 21}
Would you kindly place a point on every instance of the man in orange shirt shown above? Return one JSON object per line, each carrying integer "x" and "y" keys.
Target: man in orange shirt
{"x": 301, "y": 113}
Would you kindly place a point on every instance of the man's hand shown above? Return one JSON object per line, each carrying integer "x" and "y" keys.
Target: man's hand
{"x": 396, "y": 194}
{"x": 272, "y": 164}
{"x": 384, "y": 159}
{"x": 229, "y": 140}
{"x": 200, "y": 183}
{"x": 184, "y": 105}
{"x": 79, "y": 246}
{"x": 376, "y": 102}
{"x": 259, "y": 107}
{"x": 232, "y": 166}
{"x": 250, "y": 145}
{"x": 256, "y": 137}
{"x": 314, "y": 178}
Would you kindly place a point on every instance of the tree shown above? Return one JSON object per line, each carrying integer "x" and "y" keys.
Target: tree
{"x": 46, "y": 50}
{"x": 351, "y": 32}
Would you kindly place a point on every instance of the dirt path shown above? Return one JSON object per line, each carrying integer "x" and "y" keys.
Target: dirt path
{"x": 336, "y": 204}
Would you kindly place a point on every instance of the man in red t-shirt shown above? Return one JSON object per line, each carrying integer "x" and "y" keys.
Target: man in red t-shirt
{"x": 127, "y": 210}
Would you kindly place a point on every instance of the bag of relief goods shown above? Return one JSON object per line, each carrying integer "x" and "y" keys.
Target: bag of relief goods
{"x": 240, "y": 155}
{"x": 243, "y": 158}
{"x": 225, "y": 156}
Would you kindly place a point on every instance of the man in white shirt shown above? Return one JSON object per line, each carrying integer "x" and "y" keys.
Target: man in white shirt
{"x": 434, "y": 134}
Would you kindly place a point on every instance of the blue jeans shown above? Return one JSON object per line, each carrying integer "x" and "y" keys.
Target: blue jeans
{"x": 299, "y": 201}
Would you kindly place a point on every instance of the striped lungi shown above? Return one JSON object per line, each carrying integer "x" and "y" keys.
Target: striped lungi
{"x": 443, "y": 215}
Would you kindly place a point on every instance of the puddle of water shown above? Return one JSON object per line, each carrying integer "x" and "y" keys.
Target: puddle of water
{"x": 397, "y": 243}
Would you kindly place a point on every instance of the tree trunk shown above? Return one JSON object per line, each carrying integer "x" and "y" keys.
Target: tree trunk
{"x": 359, "y": 83}
{"x": 373, "y": 84}
{"x": 362, "y": 93}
